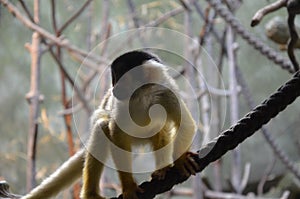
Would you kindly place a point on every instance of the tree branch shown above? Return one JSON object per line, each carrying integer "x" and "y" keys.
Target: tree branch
{"x": 58, "y": 41}
{"x": 256, "y": 19}
{"x": 72, "y": 18}
{"x": 33, "y": 99}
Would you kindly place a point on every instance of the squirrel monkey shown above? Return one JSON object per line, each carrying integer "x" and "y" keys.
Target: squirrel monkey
{"x": 141, "y": 86}
{"x": 142, "y": 107}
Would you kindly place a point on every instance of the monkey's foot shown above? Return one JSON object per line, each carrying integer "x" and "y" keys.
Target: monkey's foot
{"x": 160, "y": 173}
{"x": 186, "y": 164}
{"x": 131, "y": 193}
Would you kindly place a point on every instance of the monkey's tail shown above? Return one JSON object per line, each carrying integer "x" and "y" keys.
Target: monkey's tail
{"x": 63, "y": 177}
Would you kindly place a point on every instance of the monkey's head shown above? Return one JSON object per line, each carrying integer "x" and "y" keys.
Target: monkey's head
{"x": 122, "y": 65}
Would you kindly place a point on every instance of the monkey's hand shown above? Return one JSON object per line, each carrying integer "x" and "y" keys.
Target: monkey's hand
{"x": 186, "y": 164}
{"x": 160, "y": 173}
{"x": 131, "y": 191}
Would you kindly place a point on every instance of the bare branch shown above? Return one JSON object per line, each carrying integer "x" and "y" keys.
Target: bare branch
{"x": 77, "y": 90}
{"x": 256, "y": 19}
{"x": 153, "y": 23}
{"x": 71, "y": 110}
{"x": 58, "y": 41}
{"x": 53, "y": 11}
{"x": 133, "y": 14}
{"x": 185, "y": 5}
{"x": 165, "y": 17}
{"x": 26, "y": 10}
{"x": 33, "y": 98}
{"x": 72, "y": 18}
{"x": 264, "y": 178}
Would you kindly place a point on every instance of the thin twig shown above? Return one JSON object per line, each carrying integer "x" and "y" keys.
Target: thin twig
{"x": 256, "y": 19}
{"x": 133, "y": 14}
{"x": 245, "y": 178}
{"x": 71, "y": 110}
{"x": 165, "y": 17}
{"x": 105, "y": 34}
{"x": 65, "y": 102}
{"x": 206, "y": 28}
{"x": 153, "y": 23}
{"x": 77, "y": 90}
{"x": 185, "y": 5}
{"x": 264, "y": 178}
{"x": 135, "y": 19}
{"x": 72, "y": 18}
{"x": 53, "y": 11}
{"x": 202, "y": 15}
{"x": 95, "y": 72}
{"x": 23, "y": 4}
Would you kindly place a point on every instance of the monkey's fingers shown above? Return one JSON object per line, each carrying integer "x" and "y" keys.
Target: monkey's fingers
{"x": 190, "y": 166}
{"x": 187, "y": 165}
{"x": 160, "y": 173}
{"x": 193, "y": 164}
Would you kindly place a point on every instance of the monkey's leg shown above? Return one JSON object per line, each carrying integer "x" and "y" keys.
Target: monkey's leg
{"x": 121, "y": 153}
{"x": 93, "y": 167}
{"x": 163, "y": 152}
{"x": 63, "y": 177}
{"x": 184, "y": 137}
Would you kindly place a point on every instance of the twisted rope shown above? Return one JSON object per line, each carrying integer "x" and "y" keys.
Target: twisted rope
{"x": 268, "y": 136}
{"x": 250, "y": 123}
{"x": 230, "y": 138}
{"x": 251, "y": 39}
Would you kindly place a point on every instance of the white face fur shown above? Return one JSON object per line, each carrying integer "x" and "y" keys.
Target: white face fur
{"x": 153, "y": 72}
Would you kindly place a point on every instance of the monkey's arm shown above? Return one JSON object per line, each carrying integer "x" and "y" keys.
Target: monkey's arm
{"x": 63, "y": 177}
{"x": 96, "y": 154}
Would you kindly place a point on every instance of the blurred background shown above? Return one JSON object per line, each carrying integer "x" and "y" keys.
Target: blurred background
{"x": 50, "y": 83}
